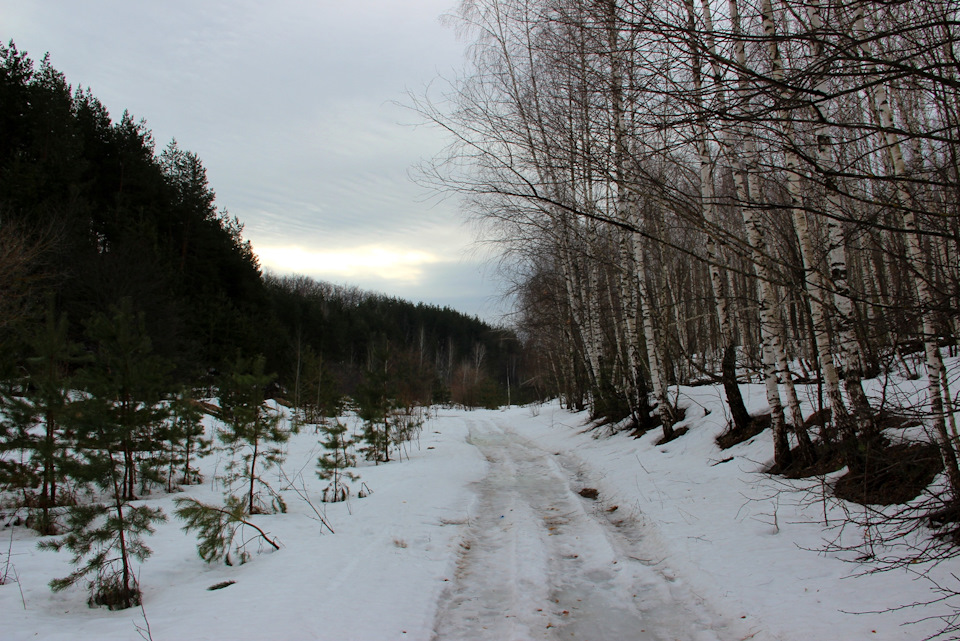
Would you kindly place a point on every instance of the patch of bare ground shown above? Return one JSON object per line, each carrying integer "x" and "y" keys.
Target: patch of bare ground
{"x": 638, "y": 427}
{"x": 892, "y": 474}
{"x": 733, "y": 436}
{"x": 679, "y": 414}
{"x": 884, "y": 473}
{"x": 827, "y": 458}
{"x": 674, "y": 435}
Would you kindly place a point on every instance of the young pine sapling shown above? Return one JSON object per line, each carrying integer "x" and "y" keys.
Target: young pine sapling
{"x": 333, "y": 465}
{"x": 118, "y": 412}
{"x": 251, "y": 432}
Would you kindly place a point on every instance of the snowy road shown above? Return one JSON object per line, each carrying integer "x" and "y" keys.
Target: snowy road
{"x": 479, "y": 533}
{"x": 538, "y": 561}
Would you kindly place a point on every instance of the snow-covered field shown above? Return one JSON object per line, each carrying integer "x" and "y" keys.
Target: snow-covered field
{"x": 482, "y": 534}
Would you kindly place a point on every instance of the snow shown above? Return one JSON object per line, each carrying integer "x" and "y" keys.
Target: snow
{"x": 480, "y": 533}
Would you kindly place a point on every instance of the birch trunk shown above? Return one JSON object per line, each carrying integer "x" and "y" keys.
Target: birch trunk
{"x": 738, "y": 411}
{"x": 574, "y": 293}
{"x": 812, "y": 276}
{"x": 629, "y": 211}
{"x": 654, "y": 360}
{"x": 850, "y": 352}
{"x": 771, "y": 351}
{"x": 628, "y": 298}
{"x": 934, "y": 360}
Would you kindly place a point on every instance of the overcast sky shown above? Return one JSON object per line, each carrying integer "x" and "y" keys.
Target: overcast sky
{"x": 290, "y": 104}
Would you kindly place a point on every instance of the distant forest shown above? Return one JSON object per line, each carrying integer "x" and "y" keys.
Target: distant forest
{"x": 93, "y": 219}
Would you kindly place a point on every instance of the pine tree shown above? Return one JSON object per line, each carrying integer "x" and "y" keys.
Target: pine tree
{"x": 217, "y": 528}
{"x": 183, "y": 437}
{"x": 334, "y": 462}
{"x": 319, "y": 395}
{"x": 374, "y": 403}
{"x": 106, "y": 538}
{"x": 114, "y": 422}
{"x": 251, "y": 432}
{"x": 34, "y": 408}
{"x": 125, "y": 382}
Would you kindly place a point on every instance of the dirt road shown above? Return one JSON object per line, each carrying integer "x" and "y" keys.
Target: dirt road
{"x": 539, "y": 561}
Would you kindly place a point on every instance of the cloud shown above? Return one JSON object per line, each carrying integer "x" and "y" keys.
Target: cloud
{"x": 292, "y": 106}
{"x": 369, "y": 261}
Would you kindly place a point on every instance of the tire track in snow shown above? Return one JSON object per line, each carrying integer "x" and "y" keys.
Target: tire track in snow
{"x": 536, "y": 562}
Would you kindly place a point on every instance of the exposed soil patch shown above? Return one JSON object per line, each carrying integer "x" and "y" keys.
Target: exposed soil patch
{"x": 895, "y": 474}
{"x": 827, "y": 458}
{"x": 820, "y": 425}
{"x": 589, "y": 493}
{"x": 818, "y": 419}
{"x": 638, "y": 430}
{"x": 208, "y": 408}
{"x": 946, "y": 520}
{"x": 679, "y": 414}
{"x": 733, "y": 436}
{"x": 677, "y": 433}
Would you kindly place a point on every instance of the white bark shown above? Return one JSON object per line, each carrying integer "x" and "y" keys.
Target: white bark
{"x": 850, "y": 352}
{"x": 708, "y": 207}
{"x": 654, "y": 361}
{"x": 934, "y": 360}
{"x": 813, "y": 277}
{"x": 771, "y": 347}
{"x": 575, "y": 295}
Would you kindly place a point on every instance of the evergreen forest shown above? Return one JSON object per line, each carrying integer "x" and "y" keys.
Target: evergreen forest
{"x": 94, "y": 217}
{"x": 129, "y": 301}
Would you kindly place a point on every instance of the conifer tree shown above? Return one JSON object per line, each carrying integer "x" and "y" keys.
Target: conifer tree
{"x": 114, "y": 422}
{"x": 330, "y": 402}
{"x": 217, "y": 528}
{"x": 34, "y": 409}
{"x": 125, "y": 382}
{"x": 334, "y": 463}
{"x": 105, "y": 538}
{"x": 183, "y": 436}
{"x": 319, "y": 396}
{"x": 374, "y": 403}
{"x": 251, "y": 432}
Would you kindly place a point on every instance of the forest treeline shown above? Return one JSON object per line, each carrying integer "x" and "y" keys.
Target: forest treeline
{"x": 695, "y": 191}
{"x": 130, "y": 306}
{"x": 94, "y": 217}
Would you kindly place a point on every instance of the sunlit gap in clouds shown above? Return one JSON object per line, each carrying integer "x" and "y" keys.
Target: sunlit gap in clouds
{"x": 370, "y": 260}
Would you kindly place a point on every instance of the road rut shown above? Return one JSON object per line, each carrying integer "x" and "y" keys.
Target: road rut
{"x": 538, "y": 561}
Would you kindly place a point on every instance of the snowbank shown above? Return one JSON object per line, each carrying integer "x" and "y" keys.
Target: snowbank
{"x": 748, "y": 545}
